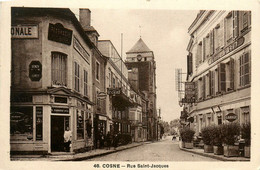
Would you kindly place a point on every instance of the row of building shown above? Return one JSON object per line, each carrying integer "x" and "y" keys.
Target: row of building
{"x": 64, "y": 76}
{"x": 218, "y": 69}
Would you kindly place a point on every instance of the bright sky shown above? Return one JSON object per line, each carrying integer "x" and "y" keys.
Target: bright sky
{"x": 164, "y": 32}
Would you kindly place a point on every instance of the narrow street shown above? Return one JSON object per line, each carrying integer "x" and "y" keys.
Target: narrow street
{"x": 165, "y": 150}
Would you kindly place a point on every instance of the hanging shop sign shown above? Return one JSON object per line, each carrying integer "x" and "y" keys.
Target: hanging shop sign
{"x": 189, "y": 90}
{"x": 114, "y": 91}
{"x": 188, "y": 100}
{"x": 59, "y": 34}
{"x": 35, "y": 70}
{"x": 231, "y": 117}
{"x": 24, "y": 31}
{"x": 227, "y": 50}
{"x": 60, "y": 110}
{"x": 101, "y": 95}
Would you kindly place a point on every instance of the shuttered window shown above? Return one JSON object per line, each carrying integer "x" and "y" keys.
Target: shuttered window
{"x": 211, "y": 42}
{"x": 196, "y": 90}
{"x": 229, "y": 28}
{"x": 204, "y": 49}
{"x": 235, "y": 24}
{"x": 244, "y": 63}
{"x": 222, "y": 77}
{"x": 207, "y": 47}
{"x": 59, "y": 68}
{"x": 76, "y": 76}
{"x": 244, "y": 20}
{"x": 85, "y": 83}
{"x": 231, "y": 68}
{"x": 212, "y": 82}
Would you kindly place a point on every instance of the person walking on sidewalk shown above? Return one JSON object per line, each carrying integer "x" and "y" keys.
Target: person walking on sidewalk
{"x": 115, "y": 141}
{"x": 67, "y": 139}
{"x": 108, "y": 140}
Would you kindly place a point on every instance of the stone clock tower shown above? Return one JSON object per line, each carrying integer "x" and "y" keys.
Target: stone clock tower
{"x": 141, "y": 68}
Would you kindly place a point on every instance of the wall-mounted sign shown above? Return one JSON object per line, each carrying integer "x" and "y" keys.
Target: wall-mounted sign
{"x": 59, "y": 34}
{"x": 113, "y": 91}
{"x": 60, "y": 100}
{"x": 231, "y": 117}
{"x": 24, "y": 31}
{"x": 39, "y": 119}
{"x": 60, "y": 110}
{"x": 227, "y": 50}
{"x": 80, "y": 49}
{"x": 35, "y": 70}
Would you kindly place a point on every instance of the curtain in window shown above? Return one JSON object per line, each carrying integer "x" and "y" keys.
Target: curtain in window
{"x": 58, "y": 69}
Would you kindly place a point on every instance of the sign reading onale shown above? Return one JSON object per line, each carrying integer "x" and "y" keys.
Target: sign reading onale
{"x": 231, "y": 117}
{"x": 24, "y": 31}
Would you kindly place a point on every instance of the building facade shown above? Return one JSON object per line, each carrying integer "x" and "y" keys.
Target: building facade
{"x": 98, "y": 78}
{"x": 118, "y": 100}
{"x": 141, "y": 65}
{"x": 219, "y": 65}
{"x": 51, "y": 81}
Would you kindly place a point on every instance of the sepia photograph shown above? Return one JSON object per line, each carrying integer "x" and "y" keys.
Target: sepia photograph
{"x": 130, "y": 88}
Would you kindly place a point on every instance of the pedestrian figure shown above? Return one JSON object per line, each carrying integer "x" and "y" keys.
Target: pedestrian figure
{"x": 108, "y": 140}
{"x": 67, "y": 139}
{"x": 115, "y": 141}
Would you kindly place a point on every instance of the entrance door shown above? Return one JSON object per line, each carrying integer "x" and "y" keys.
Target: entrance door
{"x": 57, "y": 132}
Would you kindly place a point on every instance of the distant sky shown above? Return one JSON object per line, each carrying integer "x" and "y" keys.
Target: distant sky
{"x": 163, "y": 31}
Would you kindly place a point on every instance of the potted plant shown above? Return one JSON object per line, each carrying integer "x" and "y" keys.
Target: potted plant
{"x": 207, "y": 138}
{"x": 188, "y": 137}
{"x": 230, "y": 132}
{"x": 246, "y": 135}
{"x": 217, "y": 140}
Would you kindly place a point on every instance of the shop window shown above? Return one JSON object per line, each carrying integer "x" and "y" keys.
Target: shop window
{"x": 80, "y": 125}
{"x": 85, "y": 83}
{"x": 76, "y": 76}
{"x": 21, "y": 123}
{"x": 59, "y": 68}
{"x": 244, "y": 65}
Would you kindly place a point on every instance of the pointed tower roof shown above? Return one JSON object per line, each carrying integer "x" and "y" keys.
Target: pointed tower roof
{"x": 139, "y": 47}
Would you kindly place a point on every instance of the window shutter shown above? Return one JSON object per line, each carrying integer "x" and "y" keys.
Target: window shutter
{"x": 222, "y": 77}
{"x": 209, "y": 85}
{"x": 212, "y": 115}
{"x": 204, "y": 87}
{"x": 212, "y": 42}
{"x": 221, "y": 34}
{"x": 218, "y": 78}
{"x": 204, "y": 118}
{"x": 235, "y": 24}
{"x": 196, "y": 90}
{"x": 237, "y": 112}
{"x": 204, "y": 49}
{"x": 232, "y": 61}
{"x": 197, "y": 56}
{"x": 241, "y": 70}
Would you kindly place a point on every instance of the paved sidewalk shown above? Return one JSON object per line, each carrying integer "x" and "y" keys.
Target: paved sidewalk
{"x": 211, "y": 155}
{"x": 75, "y": 157}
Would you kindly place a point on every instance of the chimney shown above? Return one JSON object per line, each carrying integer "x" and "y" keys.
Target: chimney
{"x": 84, "y": 17}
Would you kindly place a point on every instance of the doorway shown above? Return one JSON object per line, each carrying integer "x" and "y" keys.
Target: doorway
{"x": 58, "y": 125}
